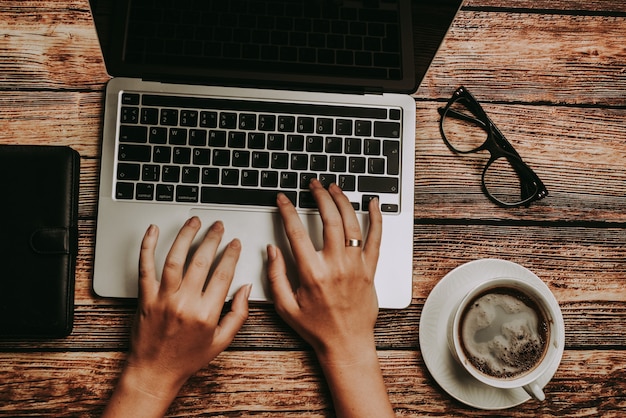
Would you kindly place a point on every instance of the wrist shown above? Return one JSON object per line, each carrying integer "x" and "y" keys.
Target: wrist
{"x": 155, "y": 383}
{"x": 142, "y": 393}
{"x": 355, "y": 352}
{"x": 355, "y": 380}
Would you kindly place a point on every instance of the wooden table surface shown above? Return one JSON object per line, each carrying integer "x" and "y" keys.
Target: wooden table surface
{"x": 552, "y": 76}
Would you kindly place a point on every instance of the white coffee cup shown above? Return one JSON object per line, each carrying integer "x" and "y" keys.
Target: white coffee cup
{"x": 504, "y": 331}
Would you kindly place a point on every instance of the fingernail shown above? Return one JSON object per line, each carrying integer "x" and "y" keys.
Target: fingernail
{"x": 271, "y": 252}
{"x": 282, "y": 198}
{"x": 315, "y": 183}
{"x": 248, "y": 290}
{"x": 151, "y": 230}
{"x": 235, "y": 244}
{"x": 335, "y": 188}
{"x": 217, "y": 226}
{"x": 193, "y": 221}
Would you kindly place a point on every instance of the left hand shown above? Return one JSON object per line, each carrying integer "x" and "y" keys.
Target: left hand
{"x": 178, "y": 329}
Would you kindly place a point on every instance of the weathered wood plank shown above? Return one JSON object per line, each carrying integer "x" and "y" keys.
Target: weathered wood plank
{"x": 584, "y": 268}
{"x": 542, "y": 59}
{"x": 290, "y": 384}
{"x": 569, "y": 6}
{"x": 564, "y": 257}
{"x": 578, "y": 153}
{"x": 589, "y": 325}
{"x": 53, "y": 118}
{"x": 578, "y": 264}
{"x": 49, "y": 47}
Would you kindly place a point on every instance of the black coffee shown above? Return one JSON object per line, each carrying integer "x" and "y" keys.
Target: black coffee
{"x": 504, "y": 332}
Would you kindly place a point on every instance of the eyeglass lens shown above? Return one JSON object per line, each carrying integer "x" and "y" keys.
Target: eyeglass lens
{"x": 462, "y": 127}
{"x": 465, "y": 132}
{"x": 502, "y": 181}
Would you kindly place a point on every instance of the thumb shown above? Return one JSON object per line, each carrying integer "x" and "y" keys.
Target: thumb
{"x": 280, "y": 287}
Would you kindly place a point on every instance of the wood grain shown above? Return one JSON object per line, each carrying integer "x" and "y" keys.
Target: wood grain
{"x": 583, "y": 267}
{"x": 542, "y": 59}
{"x": 290, "y": 384}
{"x": 550, "y": 73}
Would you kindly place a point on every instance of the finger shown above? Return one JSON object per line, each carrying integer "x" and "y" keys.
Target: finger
{"x": 222, "y": 276}
{"x": 148, "y": 281}
{"x": 177, "y": 256}
{"x": 297, "y": 234}
{"x": 232, "y": 322}
{"x": 198, "y": 268}
{"x": 351, "y": 226}
{"x": 371, "y": 248}
{"x": 334, "y": 237}
{"x": 282, "y": 293}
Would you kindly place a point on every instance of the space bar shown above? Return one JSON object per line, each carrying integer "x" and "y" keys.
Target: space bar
{"x": 236, "y": 196}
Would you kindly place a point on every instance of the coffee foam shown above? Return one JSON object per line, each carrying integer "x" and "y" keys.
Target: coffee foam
{"x": 502, "y": 335}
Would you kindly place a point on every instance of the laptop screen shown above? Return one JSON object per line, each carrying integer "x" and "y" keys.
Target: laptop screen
{"x": 336, "y": 45}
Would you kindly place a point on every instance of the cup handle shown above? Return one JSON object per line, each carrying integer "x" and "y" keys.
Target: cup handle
{"x": 535, "y": 391}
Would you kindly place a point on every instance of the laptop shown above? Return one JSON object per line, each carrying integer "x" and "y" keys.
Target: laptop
{"x": 216, "y": 106}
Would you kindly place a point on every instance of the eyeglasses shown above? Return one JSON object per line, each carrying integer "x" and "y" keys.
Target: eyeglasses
{"x": 506, "y": 179}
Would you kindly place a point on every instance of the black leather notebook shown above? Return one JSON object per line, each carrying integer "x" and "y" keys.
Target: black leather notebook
{"x": 38, "y": 240}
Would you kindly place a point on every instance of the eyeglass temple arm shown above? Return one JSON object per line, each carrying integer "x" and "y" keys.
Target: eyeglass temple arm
{"x": 530, "y": 183}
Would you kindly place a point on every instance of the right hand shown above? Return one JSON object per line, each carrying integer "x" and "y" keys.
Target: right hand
{"x": 335, "y": 304}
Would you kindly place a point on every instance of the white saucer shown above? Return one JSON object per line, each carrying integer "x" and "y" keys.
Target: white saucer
{"x": 433, "y": 338}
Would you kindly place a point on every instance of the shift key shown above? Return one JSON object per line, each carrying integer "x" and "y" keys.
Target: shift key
{"x": 373, "y": 184}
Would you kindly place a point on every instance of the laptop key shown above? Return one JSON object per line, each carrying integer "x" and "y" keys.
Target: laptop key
{"x": 237, "y": 196}
{"x": 187, "y": 194}
{"x": 149, "y": 116}
{"x": 150, "y": 172}
{"x": 145, "y": 191}
{"x": 127, "y": 171}
{"x": 347, "y": 183}
{"x": 306, "y": 200}
{"x": 158, "y": 135}
{"x": 130, "y": 99}
{"x": 269, "y": 179}
{"x": 387, "y": 129}
{"x": 286, "y": 123}
{"x": 129, "y": 115}
{"x": 373, "y": 184}
{"x": 165, "y": 192}
{"x": 169, "y": 117}
{"x": 267, "y": 122}
{"x": 139, "y": 153}
{"x": 391, "y": 150}
{"x": 295, "y": 142}
{"x": 228, "y": 120}
{"x": 208, "y": 119}
{"x": 162, "y": 154}
{"x": 388, "y": 207}
{"x": 365, "y": 201}
{"x": 124, "y": 190}
{"x": 306, "y": 125}
{"x": 288, "y": 180}
{"x": 171, "y": 173}
{"x": 133, "y": 133}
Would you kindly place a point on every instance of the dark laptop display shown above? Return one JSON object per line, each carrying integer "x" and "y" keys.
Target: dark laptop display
{"x": 346, "y": 44}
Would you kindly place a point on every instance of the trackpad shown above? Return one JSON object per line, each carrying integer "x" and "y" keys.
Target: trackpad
{"x": 256, "y": 230}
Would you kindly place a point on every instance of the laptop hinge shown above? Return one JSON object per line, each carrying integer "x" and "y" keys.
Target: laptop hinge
{"x": 265, "y": 85}
{"x": 374, "y": 90}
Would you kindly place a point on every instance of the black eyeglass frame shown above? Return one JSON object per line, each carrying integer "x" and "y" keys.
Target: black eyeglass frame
{"x": 531, "y": 187}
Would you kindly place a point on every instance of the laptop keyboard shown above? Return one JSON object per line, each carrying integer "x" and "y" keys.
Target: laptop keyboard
{"x": 206, "y": 151}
